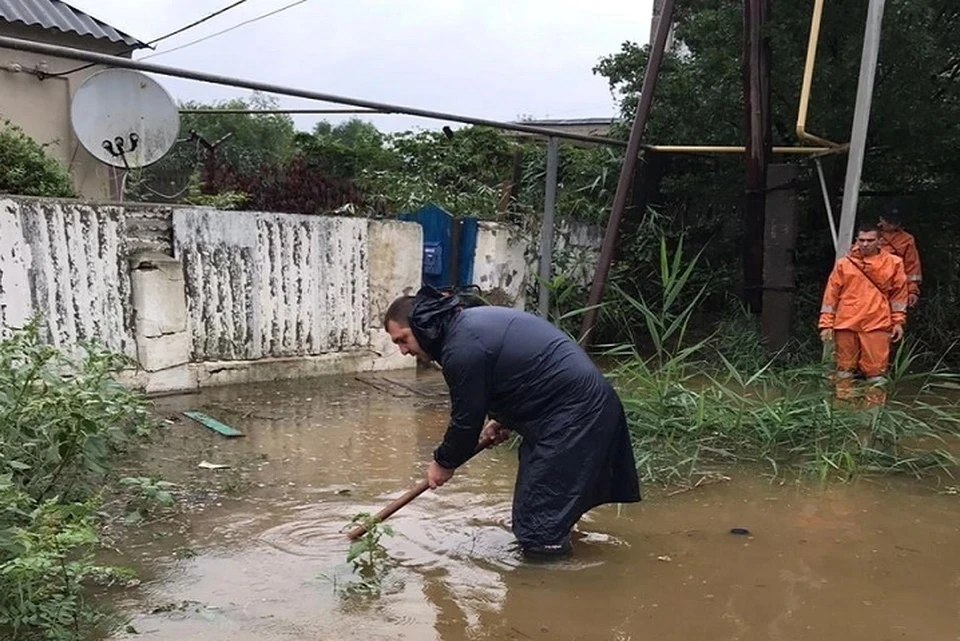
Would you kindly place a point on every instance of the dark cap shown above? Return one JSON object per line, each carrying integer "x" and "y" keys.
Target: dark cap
{"x": 893, "y": 211}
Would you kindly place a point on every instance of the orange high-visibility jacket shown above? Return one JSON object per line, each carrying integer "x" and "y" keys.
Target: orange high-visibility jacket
{"x": 903, "y": 244}
{"x": 851, "y": 301}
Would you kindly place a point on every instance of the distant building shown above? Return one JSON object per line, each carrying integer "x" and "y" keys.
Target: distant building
{"x": 655, "y": 22}
{"x": 38, "y": 101}
{"x": 584, "y": 126}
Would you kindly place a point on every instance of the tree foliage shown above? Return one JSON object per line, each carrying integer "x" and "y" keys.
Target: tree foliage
{"x": 261, "y": 163}
{"x": 294, "y": 187}
{"x": 467, "y": 172}
{"x": 346, "y": 150}
{"x": 911, "y": 147}
{"x": 26, "y": 169}
{"x": 243, "y": 142}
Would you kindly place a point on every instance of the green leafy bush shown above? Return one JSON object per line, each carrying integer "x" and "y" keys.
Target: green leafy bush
{"x": 63, "y": 422}
{"x": 26, "y": 169}
{"x": 46, "y": 565}
{"x": 63, "y": 417}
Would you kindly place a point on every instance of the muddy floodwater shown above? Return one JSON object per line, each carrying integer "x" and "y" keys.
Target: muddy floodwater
{"x": 252, "y": 558}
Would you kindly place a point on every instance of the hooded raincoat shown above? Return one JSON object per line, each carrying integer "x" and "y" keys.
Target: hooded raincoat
{"x": 901, "y": 243}
{"x": 865, "y": 294}
{"x": 865, "y": 297}
{"x": 522, "y": 371}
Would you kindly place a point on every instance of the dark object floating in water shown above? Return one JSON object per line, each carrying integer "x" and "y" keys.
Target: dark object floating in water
{"x": 742, "y": 531}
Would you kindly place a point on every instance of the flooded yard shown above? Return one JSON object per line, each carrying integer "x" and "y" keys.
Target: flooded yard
{"x": 253, "y": 561}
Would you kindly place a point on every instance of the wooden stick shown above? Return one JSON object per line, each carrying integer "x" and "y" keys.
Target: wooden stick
{"x": 418, "y": 489}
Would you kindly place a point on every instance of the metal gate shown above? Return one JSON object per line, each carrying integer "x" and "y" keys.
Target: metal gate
{"x": 449, "y": 245}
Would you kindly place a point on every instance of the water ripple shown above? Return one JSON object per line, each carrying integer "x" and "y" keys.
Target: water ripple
{"x": 317, "y": 532}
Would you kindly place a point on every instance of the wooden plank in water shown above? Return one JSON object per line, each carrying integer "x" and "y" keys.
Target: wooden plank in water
{"x": 212, "y": 424}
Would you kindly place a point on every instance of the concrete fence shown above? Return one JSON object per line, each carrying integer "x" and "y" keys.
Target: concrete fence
{"x": 507, "y": 259}
{"x": 203, "y": 297}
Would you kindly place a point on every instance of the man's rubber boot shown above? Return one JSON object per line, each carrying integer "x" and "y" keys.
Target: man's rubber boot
{"x": 548, "y": 552}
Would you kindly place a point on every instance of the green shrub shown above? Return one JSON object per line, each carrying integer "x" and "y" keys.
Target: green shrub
{"x": 63, "y": 422}
{"x": 26, "y": 169}
{"x": 46, "y": 566}
{"x": 63, "y": 418}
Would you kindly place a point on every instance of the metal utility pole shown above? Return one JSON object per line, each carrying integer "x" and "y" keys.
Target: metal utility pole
{"x": 626, "y": 171}
{"x": 657, "y": 13}
{"x": 861, "y": 122}
{"x": 546, "y": 230}
{"x": 779, "y": 269}
{"x": 756, "y": 93}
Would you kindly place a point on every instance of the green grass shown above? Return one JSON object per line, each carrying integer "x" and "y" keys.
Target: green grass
{"x": 695, "y": 406}
{"x": 685, "y": 421}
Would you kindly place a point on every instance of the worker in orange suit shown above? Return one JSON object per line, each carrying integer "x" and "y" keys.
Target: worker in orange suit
{"x": 864, "y": 308}
{"x": 899, "y": 242}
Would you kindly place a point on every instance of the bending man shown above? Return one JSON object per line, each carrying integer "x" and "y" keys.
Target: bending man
{"x": 529, "y": 377}
{"x": 864, "y": 307}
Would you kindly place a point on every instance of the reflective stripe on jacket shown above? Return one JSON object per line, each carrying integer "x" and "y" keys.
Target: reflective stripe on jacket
{"x": 903, "y": 244}
{"x": 865, "y": 294}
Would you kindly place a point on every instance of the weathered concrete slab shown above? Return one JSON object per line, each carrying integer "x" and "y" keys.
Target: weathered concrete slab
{"x": 263, "y": 285}
{"x": 74, "y": 258}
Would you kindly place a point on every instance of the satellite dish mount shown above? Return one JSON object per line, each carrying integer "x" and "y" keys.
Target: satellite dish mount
{"x": 124, "y": 118}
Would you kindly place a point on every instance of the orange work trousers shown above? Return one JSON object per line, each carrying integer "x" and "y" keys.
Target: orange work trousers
{"x": 868, "y": 352}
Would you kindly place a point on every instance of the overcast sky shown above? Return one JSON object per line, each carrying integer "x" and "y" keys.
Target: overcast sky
{"x": 496, "y": 59}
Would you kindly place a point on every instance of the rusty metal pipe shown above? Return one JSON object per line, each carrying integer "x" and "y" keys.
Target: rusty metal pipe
{"x": 626, "y": 171}
{"x": 58, "y": 51}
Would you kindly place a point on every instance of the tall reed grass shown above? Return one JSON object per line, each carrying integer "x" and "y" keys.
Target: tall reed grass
{"x": 696, "y": 406}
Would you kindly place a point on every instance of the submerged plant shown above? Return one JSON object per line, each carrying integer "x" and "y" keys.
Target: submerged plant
{"x": 147, "y": 494}
{"x": 367, "y": 554}
{"x": 367, "y": 558}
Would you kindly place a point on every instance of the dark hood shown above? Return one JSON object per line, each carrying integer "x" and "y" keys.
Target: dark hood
{"x": 430, "y": 317}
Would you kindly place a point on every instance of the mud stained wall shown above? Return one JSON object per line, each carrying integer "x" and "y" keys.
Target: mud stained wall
{"x": 499, "y": 264}
{"x": 15, "y": 304}
{"x": 395, "y": 264}
{"x": 265, "y": 285}
{"x": 507, "y": 260}
{"x": 66, "y": 261}
{"x": 201, "y": 297}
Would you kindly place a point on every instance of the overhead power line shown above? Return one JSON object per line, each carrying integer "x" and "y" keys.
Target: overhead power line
{"x": 197, "y": 22}
{"x": 161, "y": 38}
{"x": 227, "y": 30}
{"x": 19, "y": 44}
{"x": 107, "y": 60}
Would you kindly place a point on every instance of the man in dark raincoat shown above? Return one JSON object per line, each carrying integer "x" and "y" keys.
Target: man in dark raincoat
{"x": 529, "y": 377}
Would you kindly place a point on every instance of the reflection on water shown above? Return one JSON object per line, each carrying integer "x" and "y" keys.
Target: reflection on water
{"x": 871, "y": 560}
